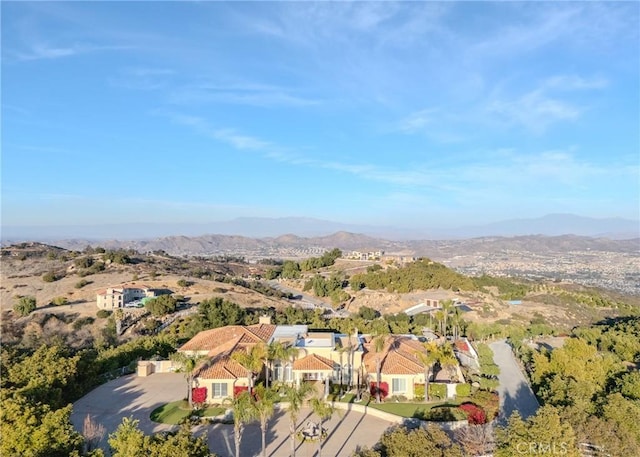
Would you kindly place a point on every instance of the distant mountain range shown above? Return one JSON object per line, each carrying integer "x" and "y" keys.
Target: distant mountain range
{"x": 550, "y": 225}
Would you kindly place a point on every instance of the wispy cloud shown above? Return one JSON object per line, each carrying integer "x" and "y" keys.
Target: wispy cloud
{"x": 534, "y": 110}
{"x": 244, "y": 94}
{"x": 47, "y": 52}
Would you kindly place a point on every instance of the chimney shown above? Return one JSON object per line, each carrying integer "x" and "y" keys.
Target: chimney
{"x": 266, "y": 319}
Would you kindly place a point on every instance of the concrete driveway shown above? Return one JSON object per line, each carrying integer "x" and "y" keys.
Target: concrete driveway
{"x": 137, "y": 396}
{"x": 515, "y": 392}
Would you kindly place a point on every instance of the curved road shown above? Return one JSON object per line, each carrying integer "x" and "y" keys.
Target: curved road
{"x": 515, "y": 392}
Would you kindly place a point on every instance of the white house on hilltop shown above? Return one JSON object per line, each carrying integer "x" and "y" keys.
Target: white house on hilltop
{"x": 118, "y": 297}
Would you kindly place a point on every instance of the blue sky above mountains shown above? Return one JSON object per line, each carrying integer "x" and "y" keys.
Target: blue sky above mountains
{"x": 406, "y": 114}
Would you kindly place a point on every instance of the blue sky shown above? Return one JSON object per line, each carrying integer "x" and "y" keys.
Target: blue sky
{"x": 404, "y": 114}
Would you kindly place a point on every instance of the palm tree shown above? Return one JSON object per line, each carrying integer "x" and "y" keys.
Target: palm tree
{"x": 447, "y": 306}
{"x": 243, "y": 414}
{"x": 324, "y": 411}
{"x": 187, "y": 364}
{"x": 263, "y": 404}
{"x": 252, "y": 360}
{"x": 447, "y": 359}
{"x": 456, "y": 320}
{"x": 378, "y": 346}
{"x": 276, "y": 350}
{"x": 441, "y": 319}
{"x": 428, "y": 359}
{"x": 295, "y": 396}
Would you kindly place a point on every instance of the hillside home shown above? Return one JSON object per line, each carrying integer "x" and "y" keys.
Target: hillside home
{"x": 322, "y": 358}
{"x": 118, "y": 297}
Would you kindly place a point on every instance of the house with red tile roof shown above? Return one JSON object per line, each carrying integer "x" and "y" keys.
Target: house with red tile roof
{"x": 321, "y": 358}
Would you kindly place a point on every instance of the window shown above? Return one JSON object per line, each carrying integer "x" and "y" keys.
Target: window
{"x": 219, "y": 389}
{"x": 277, "y": 372}
{"x": 398, "y": 386}
{"x": 288, "y": 373}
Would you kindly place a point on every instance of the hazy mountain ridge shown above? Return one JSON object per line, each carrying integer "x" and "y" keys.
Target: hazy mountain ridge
{"x": 239, "y": 245}
{"x": 257, "y": 227}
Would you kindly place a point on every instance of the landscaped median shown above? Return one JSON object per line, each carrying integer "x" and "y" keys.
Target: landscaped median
{"x": 175, "y": 412}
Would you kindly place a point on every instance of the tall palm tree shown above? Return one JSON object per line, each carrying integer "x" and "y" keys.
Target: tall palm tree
{"x": 295, "y": 396}
{"x": 441, "y": 319}
{"x": 324, "y": 411}
{"x": 276, "y": 350}
{"x": 187, "y": 364}
{"x": 252, "y": 360}
{"x": 447, "y": 306}
{"x": 428, "y": 359}
{"x": 378, "y": 346}
{"x": 263, "y": 404}
{"x": 243, "y": 414}
{"x": 456, "y": 320}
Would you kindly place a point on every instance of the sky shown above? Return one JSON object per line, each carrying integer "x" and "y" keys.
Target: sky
{"x": 406, "y": 114}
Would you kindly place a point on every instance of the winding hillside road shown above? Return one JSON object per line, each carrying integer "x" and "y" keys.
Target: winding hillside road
{"x": 515, "y": 392}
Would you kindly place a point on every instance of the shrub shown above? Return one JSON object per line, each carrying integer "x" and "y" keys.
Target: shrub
{"x": 49, "y": 277}
{"x": 59, "y": 301}
{"x": 489, "y": 401}
{"x": 463, "y": 390}
{"x": 103, "y": 313}
{"x": 25, "y": 305}
{"x": 438, "y": 390}
{"x": 384, "y": 390}
{"x": 82, "y": 321}
{"x": 199, "y": 395}
{"x": 475, "y": 414}
{"x": 84, "y": 262}
{"x": 418, "y": 392}
{"x": 184, "y": 283}
{"x": 80, "y": 284}
{"x": 445, "y": 414}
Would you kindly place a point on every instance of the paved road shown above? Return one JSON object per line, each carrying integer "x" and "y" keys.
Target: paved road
{"x": 138, "y": 396}
{"x": 310, "y": 301}
{"x": 515, "y": 391}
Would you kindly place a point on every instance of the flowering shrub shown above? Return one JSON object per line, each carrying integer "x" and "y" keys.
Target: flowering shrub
{"x": 199, "y": 395}
{"x": 237, "y": 390}
{"x": 384, "y": 390}
{"x": 475, "y": 414}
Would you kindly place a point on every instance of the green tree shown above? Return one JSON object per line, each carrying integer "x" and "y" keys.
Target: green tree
{"x": 252, "y": 361}
{"x": 243, "y": 413}
{"x": 46, "y": 376}
{"x": 128, "y": 440}
{"x": 379, "y": 342}
{"x": 187, "y": 364}
{"x": 290, "y": 270}
{"x": 25, "y": 305}
{"x": 324, "y": 411}
{"x": 428, "y": 359}
{"x": 430, "y": 441}
{"x": 159, "y": 306}
{"x": 542, "y": 434}
{"x": 217, "y": 312}
{"x": 277, "y": 350}
{"x": 295, "y": 397}
{"x": 36, "y": 430}
{"x": 263, "y": 404}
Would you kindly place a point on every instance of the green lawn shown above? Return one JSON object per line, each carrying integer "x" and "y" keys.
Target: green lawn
{"x": 174, "y": 412}
{"x": 417, "y": 410}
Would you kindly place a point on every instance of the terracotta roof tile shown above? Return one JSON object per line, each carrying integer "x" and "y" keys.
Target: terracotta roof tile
{"x": 397, "y": 357}
{"x": 210, "y": 339}
{"x": 313, "y": 362}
